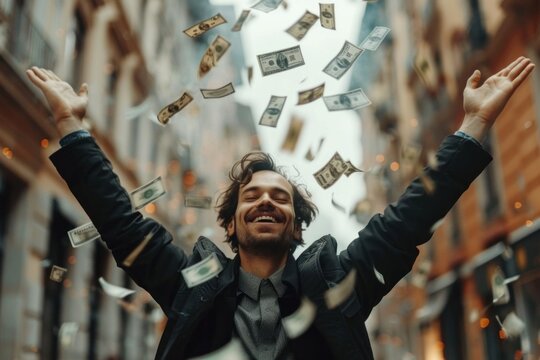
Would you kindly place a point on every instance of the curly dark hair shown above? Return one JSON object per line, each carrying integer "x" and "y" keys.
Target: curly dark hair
{"x": 240, "y": 174}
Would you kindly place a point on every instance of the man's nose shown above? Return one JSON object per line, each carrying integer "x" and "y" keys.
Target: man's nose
{"x": 265, "y": 200}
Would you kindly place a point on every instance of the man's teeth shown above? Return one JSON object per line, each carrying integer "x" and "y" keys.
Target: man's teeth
{"x": 265, "y": 219}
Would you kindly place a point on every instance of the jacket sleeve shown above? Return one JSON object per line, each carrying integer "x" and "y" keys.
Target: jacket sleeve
{"x": 91, "y": 179}
{"x": 386, "y": 248}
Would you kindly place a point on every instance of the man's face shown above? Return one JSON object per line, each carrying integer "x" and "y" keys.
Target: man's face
{"x": 264, "y": 221}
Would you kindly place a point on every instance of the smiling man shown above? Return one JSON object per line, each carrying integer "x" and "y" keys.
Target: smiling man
{"x": 262, "y": 213}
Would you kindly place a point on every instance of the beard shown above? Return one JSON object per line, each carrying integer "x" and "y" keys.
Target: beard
{"x": 277, "y": 246}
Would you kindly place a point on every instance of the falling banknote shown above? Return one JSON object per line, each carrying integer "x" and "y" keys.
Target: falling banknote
{"x": 168, "y": 111}
{"x": 271, "y": 115}
{"x": 113, "y": 290}
{"x": 295, "y": 129}
{"x": 205, "y": 25}
{"x": 201, "y": 202}
{"x": 343, "y": 60}
{"x": 83, "y": 234}
{"x": 331, "y": 172}
{"x": 338, "y": 294}
{"x": 240, "y": 22}
{"x": 219, "y": 92}
{"x": 147, "y": 193}
{"x": 57, "y": 273}
{"x": 298, "y": 322}
{"x": 354, "y": 99}
{"x": 213, "y": 53}
{"x": 375, "y": 38}
{"x": 299, "y": 29}
{"x": 310, "y": 95}
{"x": 328, "y": 18}
{"x": 202, "y": 271}
{"x": 281, "y": 60}
{"x": 267, "y": 5}
{"x": 501, "y": 294}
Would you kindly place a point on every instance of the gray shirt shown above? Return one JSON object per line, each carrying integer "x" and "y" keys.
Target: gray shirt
{"x": 257, "y": 318}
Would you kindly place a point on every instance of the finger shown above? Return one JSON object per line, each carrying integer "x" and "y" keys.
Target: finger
{"x": 53, "y": 75}
{"x": 518, "y": 68}
{"x": 474, "y": 79}
{"x": 36, "y": 80}
{"x": 523, "y": 75}
{"x": 39, "y": 73}
{"x": 509, "y": 67}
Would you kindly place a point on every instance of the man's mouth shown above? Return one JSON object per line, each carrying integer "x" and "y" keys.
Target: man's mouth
{"x": 265, "y": 219}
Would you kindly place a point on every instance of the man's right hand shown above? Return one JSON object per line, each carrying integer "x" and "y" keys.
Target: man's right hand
{"x": 68, "y": 107}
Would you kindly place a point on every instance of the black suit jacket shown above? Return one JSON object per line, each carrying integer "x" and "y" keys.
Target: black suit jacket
{"x": 200, "y": 319}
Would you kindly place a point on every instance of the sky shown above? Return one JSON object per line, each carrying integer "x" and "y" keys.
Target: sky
{"x": 265, "y": 32}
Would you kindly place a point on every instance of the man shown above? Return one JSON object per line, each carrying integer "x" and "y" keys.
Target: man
{"x": 263, "y": 213}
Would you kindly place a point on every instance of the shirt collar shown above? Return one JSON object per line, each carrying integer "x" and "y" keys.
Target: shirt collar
{"x": 249, "y": 284}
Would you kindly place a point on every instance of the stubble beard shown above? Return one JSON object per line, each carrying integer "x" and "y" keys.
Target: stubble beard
{"x": 266, "y": 247}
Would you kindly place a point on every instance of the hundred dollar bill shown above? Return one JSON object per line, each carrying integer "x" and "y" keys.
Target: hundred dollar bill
{"x": 205, "y": 25}
{"x": 281, "y": 60}
{"x": 350, "y": 168}
{"x": 331, "y": 172}
{"x": 512, "y": 325}
{"x": 202, "y": 271}
{"x": 501, "y": 294}
{"x": 202, "y": 202}
{"x": 354, "y": 99}
{"x": 338, "y": 294}
{"x": 57, "y": 273}
{"x": 310, "y": 95}
{"x": 328, "y": 19}
{"x": 267, "y": 5}
{"x": 113, "y": 290}
{"x": 272, "y": 113}
{"x": 168, "y": 111}
{"x": 375, "y": 38}
{"x": 147, "y": 193}
{"x": 243, "y": 16}
{"x": 219, "y": 92}
{"x": 83, "y": 234}
{"x": 234, "y": 350}
{"x": 298, "y": 322}
{"x": 128, "y": 261}
{"x": 343, "y": 60}
{"x": 295, "y": 129}
{"x": 211, "y": 56}
{"x": 299, "y": 29}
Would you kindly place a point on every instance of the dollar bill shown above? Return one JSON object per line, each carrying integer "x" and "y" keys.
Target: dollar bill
{"x": 83, "y": 234}
{"x": 205, "y": 25}
{"x": 310, "y": 155}
{"x": 427, "y": 183}
{"x": 512, "y": 325}
{"x": 243, "y": 16}
{"x": 410, "y": 155}
{"x": 300, "y": 28}
{"x": 213, "y": 53}
{"x": 67, "y": 333}
{"x": 310, "y": 95}
{"x": 272, "y": 112}
{"x": 298, "y": 322}
{"x": 375, "y": 38}
{"x": 133, "y": 255}
{"x": 295, "y": 129}
{"x": 250, "y": 74}
{"x": 378, "y": 275}
{"x": 350, "y": 168}
{"x": 343, "y": 60}
{"x": 57, "y": 273}
{"x": 168, "y": 111}
{"x": 267, "y": 5}
{"x": 338, "y": 294}
{"x": 202, "y": 271}
{"x": 281, "y": 60}
{"x": 331, "y": 172}
{"x": 202, "y": 202}
{"x": 354, "y": 99}
{"x": 500, "y": 292}
{"x": 234, "y": 350}
{"x": 328, "y": 18}
{"x": 147, "y": 193}
{"x": 425, "y": 67}
{"x": 219, "y": 92}
{"x": 113, "y": 290}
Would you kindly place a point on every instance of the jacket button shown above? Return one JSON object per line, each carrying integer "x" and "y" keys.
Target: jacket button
{"x": 204, "y": 299}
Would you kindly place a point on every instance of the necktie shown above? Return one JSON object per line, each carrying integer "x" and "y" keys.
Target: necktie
{"x": 269, "y": 313}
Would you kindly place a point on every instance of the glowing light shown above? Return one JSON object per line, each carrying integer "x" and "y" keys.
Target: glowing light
{"x": 150, "y": 208}
{"x": 517, "y": 205}
{"x": 394, "y": 166}
{"x": 44, "y": 143}
{"x": 7, "y": 152}
{"x": 502, "y": 334}
{"x": 72, "y": 260}
{"x": 528, "y": 223}
{"x": 484, "y": 322}
{"x": 379, "y": 158}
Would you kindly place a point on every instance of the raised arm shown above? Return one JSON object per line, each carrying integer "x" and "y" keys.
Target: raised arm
{"x": 388, "y": 244}
{"x": 91, "y": 179}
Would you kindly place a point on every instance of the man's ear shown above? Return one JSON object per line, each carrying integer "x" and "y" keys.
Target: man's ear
{"x": 230, "y": 228}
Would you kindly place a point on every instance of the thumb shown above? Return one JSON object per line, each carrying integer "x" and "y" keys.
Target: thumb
{"x": 474, "y": 79}
{"x": 83, "y": 91}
